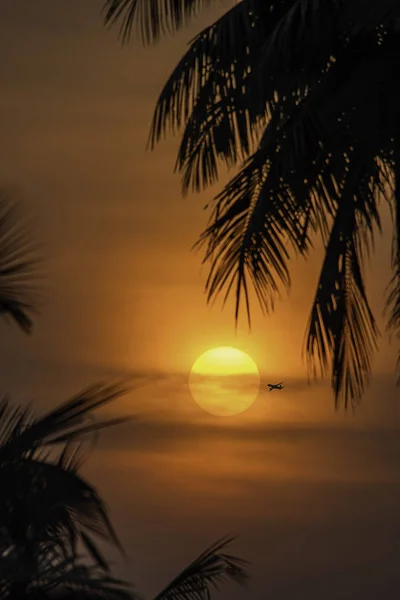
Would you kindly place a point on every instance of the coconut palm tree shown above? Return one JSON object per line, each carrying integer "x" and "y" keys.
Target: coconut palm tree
{"x": 301, "y": 96}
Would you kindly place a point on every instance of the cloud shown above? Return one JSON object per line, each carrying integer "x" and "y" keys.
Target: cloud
{"x": 315, "y": 507}
{"x": 160, "y": 397}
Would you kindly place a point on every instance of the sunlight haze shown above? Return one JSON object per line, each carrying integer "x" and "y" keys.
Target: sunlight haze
{"x": 309, "y": 490}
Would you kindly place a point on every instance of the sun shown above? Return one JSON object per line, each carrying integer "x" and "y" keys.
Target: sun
{"x": 224, "y": 381}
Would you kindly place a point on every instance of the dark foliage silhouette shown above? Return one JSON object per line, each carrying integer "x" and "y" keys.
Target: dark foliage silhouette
{"x": 52, "y": 575}
{"x": 51, "y": 517}
{"x": 303, "y": 97}
{"x": 19, "y": 265}
{"x": 211, "y": 569}
{"x": 46, "y": 506}
{"x": 61, "y": 579}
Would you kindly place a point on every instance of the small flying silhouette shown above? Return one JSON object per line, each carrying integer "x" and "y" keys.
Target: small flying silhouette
{"x": 275, "y": 386}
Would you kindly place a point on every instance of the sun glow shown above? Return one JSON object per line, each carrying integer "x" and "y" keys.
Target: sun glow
{"x": 224, "y": 381}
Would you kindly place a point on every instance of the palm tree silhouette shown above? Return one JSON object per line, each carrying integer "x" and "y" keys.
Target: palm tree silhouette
{"x": 303, "y": 95}
{"x": 47, "y": 508}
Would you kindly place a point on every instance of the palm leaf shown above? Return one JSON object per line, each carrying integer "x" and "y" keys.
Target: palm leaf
{"x": 65, "y": 423}
{"x": 154, "y": 18}
{"x": 94, "y": 552}
{"x": 215, "y": 50}
{"x": 393, "y": 298}
{"x": 341, "y": 327}
{"x": 45, "y": 501}
{"x": 221, "y": 62}
{"x": 19, "y": 265}
{"x": 59, "y": 578}
{"x": 263, "y": 208}
{"x": 305, "y": 35}
{"x": 206, "y": 141}
{"x": 211, "y": 569}
{"x": 245, "y": 239}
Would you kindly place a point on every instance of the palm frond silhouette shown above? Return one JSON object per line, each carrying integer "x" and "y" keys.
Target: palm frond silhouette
{"x": 19, "y": 265}
{"x": 22, "y": 434}
{"x": 212, "y": 568}
{"x": 56, "y": 576}
{"x": 154, "y": 19}
{"x": 51, "y": 518}
{"x": 302, "y": 97}
{"x": 46, "y": 506}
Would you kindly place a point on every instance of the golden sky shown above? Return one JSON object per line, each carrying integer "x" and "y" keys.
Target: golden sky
{"x": 312, "y": 492}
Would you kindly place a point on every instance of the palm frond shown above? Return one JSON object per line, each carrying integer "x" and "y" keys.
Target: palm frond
{"x": 341, "y": 328}
{"x": 94, "y": 551}
{"x": 304, "y": 37}
{"x": 225, "y": 136}
{"x": 99, "y": 589}
{"x": 19, "y": 265}
{"x": 13, "y": 420}
{"x": 21, "y": 435}
{"x": 246, "y": 240}
{"x": 47, "y": 500}
{"x": 273, "y": 201}
{"x": 232, "y": 111}
{"x": 59, "y": 578}
{"x": 154, "y": 19}
{"x": 224, "y": 50}
{"x": 393, "y": 298}
{"x": 211, "y": 569}
{"x": 71, "y": 456}
{"x": 393, "y": 303}
{"x": 217, "y": 87}
{"x": 44, "y": 501}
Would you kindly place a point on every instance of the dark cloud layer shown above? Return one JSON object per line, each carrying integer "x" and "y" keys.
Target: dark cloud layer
{"x": 311, "y": 526}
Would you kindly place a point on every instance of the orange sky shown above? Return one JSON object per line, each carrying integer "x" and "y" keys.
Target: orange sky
{"x": 125, "y": 297}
